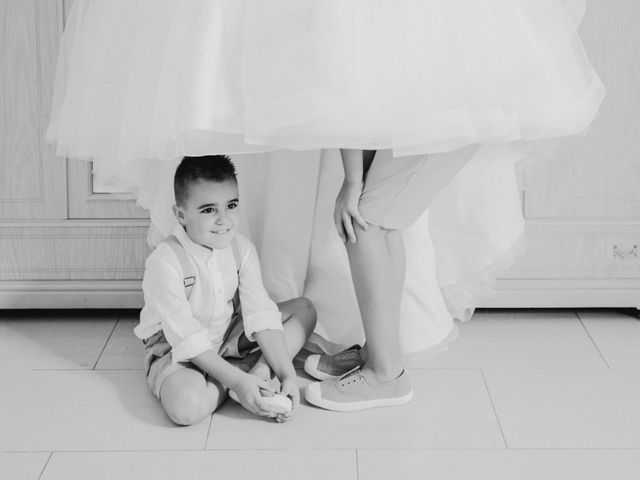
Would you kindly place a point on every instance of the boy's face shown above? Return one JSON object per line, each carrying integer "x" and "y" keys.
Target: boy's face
{"x": 211, "y": 214}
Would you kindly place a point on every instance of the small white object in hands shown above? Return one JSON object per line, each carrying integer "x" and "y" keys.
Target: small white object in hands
{"x": 278, "y": 403}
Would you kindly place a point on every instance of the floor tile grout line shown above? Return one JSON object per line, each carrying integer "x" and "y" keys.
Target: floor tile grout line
{"x": 104, "y": 347}
{"x": 87, "y": 369}
{"x": 221, "y": 450}
{"x": 346, "y": 449}
{"x": 206, "y": 440}
{"x": 44, "y": 467}
{"x": 508, "y": 369}
{"x": 321, "y": 449}
{"x": 418, "y": 449}
{"x": 591, "y": 338}
{"x": 84, "y": 369}
{"x": 495, "y": 412}
{"x": 425, "y": 369}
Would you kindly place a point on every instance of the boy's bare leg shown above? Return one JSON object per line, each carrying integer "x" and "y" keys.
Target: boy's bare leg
{"x": 377, "y": 269}
{"x": 188, "y": 397}
{"x": 298, "y": 322}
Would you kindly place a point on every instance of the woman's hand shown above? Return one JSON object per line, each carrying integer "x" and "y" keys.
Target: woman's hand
{"x": 346, "y": 211}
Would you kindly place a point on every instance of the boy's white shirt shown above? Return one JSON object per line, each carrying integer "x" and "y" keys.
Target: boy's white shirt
{"x": 196, "y": 325}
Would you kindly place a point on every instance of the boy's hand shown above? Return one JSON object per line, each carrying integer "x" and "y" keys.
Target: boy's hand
{"x": 346, "y": 211}
{"x": 289, "y": 387}
{"x": 247, "y": 389}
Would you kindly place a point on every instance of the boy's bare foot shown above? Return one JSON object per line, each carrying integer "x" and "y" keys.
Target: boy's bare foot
{"x": 261, "y": 370}
{"x": 271, "y": 387}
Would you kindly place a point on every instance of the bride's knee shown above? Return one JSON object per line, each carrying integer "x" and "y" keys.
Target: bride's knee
{"x": 306, "y": 314}
{"x": 373, "y": 235}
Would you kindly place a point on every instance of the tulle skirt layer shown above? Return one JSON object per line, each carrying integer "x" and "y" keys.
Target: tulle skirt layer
{"x": 141, "y": 83}
{"x": 161, "y": 78}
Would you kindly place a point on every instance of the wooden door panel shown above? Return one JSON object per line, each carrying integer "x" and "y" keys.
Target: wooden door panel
{"x": 32, "y": 180}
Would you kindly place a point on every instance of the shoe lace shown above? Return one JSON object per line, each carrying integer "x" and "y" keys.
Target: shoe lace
{"x": 350, "y": 353}
{"x": 352, "y": 376}
{"x": 346, "y": 356}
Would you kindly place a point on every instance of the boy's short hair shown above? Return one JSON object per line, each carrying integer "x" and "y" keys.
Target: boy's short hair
{"x": 213, "y": 168}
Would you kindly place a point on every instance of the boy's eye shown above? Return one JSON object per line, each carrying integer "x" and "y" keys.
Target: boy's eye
{"x": 232, "y": 205}
{"x": 206, "y": 210}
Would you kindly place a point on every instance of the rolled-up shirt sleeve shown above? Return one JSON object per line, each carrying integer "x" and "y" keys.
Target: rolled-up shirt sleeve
{"x": 259, "y": 312}
{"x": 164, "y": 292}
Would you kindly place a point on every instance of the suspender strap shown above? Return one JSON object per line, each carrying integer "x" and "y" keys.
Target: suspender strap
{"x": 236, "y": 254}
{"x": 185, "y": 264}
{"x": 238, "y": 259}
{"x": 189, "y": 273}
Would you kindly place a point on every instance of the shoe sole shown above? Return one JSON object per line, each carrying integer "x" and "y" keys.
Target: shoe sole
{"x": 363, "y": 405}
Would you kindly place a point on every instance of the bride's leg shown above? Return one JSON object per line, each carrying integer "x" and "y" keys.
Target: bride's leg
{"x": 395, "y": 247}
{"x": 397, "y": 257}
{"x": 377, "y": 269}
{"x": 381, "y": 382}
{"x": 376, "y": 260}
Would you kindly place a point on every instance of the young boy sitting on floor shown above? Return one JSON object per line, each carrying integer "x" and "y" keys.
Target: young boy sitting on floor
{"x": 208, "y": 323}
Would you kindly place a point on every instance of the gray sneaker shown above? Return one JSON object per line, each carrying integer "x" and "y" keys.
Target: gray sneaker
{"x": 327, "y": 367}
{"x": 353, "y": 392}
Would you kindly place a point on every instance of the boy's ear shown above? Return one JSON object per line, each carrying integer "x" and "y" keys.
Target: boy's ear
{"x": 177, "y": 211}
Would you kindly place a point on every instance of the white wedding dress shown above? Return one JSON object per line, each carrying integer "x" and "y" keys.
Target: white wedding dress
{"x": 281, "y": 84}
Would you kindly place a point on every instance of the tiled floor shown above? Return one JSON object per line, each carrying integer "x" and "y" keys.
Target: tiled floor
{"x": 521, "y": 394}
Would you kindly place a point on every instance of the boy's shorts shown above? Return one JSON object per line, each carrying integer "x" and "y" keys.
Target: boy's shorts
{"x": 158, "y": 362}
{"x": 398, "y": 190}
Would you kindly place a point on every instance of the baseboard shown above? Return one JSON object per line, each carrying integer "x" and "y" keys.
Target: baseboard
{"x": 510, "y": 293}
{"x": 71, "y": 294}
{"x": 565, "y": 293}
